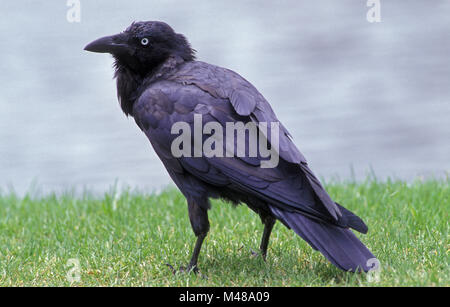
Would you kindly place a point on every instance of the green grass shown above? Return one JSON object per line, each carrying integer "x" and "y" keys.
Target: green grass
{"x": 125, "y": 239}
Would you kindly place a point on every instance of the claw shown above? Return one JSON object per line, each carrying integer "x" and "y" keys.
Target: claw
{"x": 189, "y": 269}
{"x": 171, "y": 268}
{"x": 183, "y": 269}
{"x": 255, "y": 254}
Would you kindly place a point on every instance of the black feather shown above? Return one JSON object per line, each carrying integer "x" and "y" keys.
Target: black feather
{"x": 160, "y": 84}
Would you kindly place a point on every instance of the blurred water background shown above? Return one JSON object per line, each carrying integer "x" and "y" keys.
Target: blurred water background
{"x": 356, "y": 96}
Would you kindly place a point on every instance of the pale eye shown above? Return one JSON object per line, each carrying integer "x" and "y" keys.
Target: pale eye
{"x": 144, "y": 41}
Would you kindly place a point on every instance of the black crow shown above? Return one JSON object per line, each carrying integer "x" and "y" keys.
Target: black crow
{"x": 159, "y": 83}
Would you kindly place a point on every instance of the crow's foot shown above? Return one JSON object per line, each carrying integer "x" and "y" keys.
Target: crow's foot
{"x": 183, "y": 269}
{"x": 256, "y": 254}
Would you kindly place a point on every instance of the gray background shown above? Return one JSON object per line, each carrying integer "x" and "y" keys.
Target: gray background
{"x": 353, "y": 94}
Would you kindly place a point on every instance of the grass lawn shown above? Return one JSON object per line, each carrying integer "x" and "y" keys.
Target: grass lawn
{"x": 126, "y": 238}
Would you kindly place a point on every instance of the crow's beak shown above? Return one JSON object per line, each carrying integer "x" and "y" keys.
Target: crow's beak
{"x": 114, "y": 44}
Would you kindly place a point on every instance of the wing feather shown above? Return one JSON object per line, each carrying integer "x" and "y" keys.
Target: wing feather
{"x": 290, "y": 185}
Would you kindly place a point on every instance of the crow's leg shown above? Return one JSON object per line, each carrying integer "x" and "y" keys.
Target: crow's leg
{"x": 198, "y": 245}
{"x": 268, "y": 222}
{"x": 198, "y": 215}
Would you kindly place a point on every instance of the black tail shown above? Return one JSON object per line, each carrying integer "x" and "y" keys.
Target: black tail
{"x": 337, "y": 244}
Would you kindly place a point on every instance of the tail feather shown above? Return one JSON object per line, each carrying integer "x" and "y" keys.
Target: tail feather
{"x": 352, "y": 220}
{"x": 339, "y": 245}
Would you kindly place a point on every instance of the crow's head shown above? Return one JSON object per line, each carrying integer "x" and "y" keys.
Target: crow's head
{"x": 143, "y": 46}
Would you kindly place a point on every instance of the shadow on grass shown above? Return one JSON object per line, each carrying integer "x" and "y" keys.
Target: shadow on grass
{"x": 242, "y": 269}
